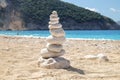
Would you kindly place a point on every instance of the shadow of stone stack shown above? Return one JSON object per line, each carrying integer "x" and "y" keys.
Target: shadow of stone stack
{"x": 50, "y": 56}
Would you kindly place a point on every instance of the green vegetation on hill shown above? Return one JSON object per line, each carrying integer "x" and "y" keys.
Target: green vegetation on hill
{"x": 39, "y": 10}
{"x": 71, "y": 16}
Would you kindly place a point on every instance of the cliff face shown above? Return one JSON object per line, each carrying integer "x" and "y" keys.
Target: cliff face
{"x": 10, "y": 17}
{"x": 22, "y": 15}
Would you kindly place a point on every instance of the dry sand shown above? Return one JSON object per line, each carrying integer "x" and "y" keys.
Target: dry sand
{"x": 19, "y": 55}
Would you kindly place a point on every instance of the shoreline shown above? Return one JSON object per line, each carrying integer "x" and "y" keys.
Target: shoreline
{"x": 66, "y": 38}
{"x": 78, "y": 35}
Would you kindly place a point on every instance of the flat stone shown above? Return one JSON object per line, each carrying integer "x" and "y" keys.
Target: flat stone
{"x": 54, "y": 47}
{"x": 102, "y": 57}
{"x": 45, "y": 53}
{"x": 53, "y": 22}
{"x": 54, "y": 26}
{"x": 55, "y": 40}
{"x": 54, "y": 63}
{"x": 54, "y": 18}
{"x": 92, "y": 57}
{"x": 59, "y": 32}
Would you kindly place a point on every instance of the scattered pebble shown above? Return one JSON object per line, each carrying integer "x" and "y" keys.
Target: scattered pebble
{"x": 100, "y": 56}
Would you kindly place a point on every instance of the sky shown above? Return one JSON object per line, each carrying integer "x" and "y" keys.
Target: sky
{"x": 109, "y": 8}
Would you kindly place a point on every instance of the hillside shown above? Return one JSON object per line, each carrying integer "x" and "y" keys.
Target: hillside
{"x": 34, "y": 15}
{"x": 118, "y": 22}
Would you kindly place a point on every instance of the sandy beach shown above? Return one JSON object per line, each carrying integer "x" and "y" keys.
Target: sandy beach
{"x": 19, "y": 57}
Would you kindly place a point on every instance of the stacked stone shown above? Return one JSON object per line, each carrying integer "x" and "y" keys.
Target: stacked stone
{"x": 54, "y": 49}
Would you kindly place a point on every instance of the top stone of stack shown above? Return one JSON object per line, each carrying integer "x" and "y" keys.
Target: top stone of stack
{"x": 54, "y": 19}
{"x": 54, "y": 16}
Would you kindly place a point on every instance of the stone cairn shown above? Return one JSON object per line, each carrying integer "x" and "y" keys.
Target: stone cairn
{"x": 50, "y": 56}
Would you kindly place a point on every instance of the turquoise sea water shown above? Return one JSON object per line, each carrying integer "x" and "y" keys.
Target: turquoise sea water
{"x": 86, "y": 34}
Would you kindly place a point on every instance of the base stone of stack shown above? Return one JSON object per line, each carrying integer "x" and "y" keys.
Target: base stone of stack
{"x": 45, "y": 53}
{"x": 54, "y": 63}
{"x": 54, "y": 47}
